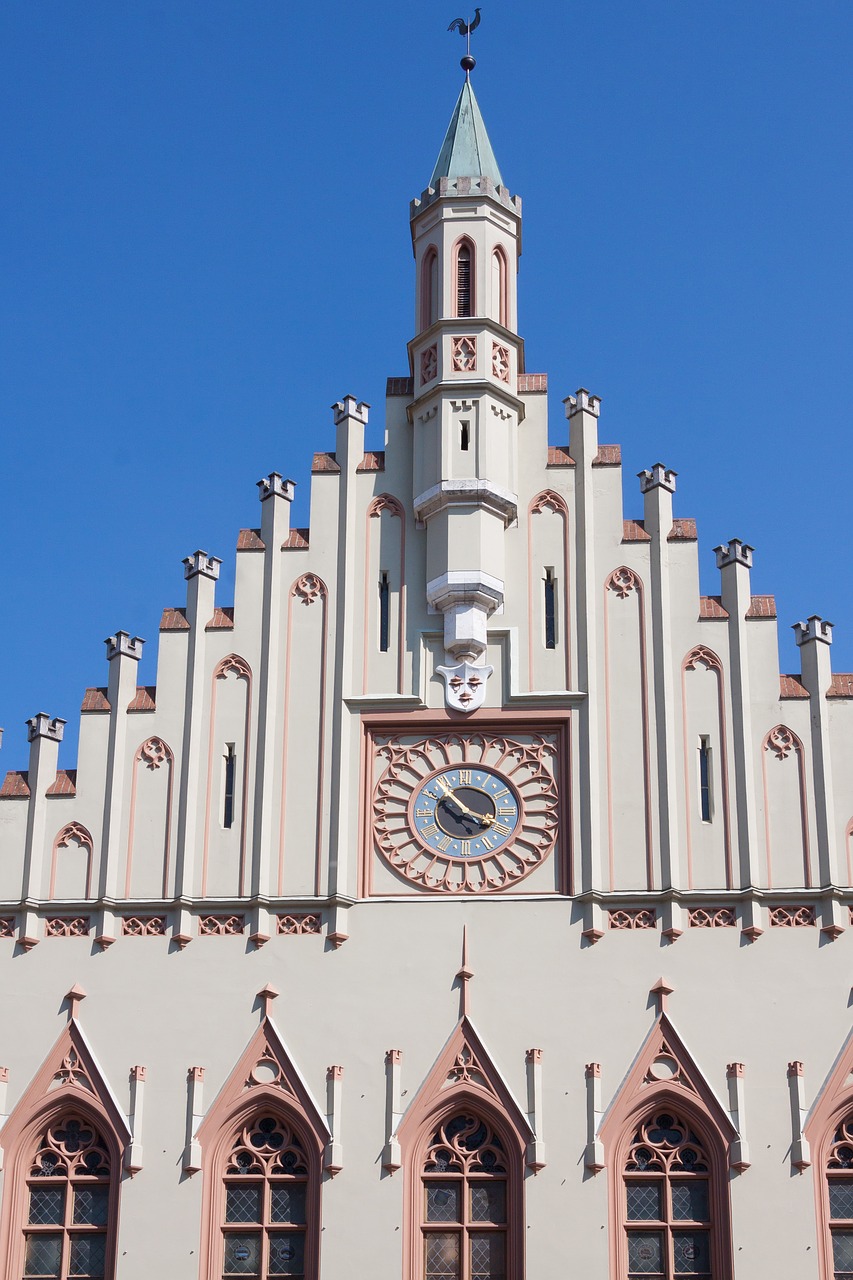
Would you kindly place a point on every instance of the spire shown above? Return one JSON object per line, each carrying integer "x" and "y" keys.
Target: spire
{"x": 466, "y": 151}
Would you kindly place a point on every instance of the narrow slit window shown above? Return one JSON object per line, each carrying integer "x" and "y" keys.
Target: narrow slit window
{"x": 705, "y": 778}
{"x": 384, "y": 612}
{"x": 550, "y": 609}
{"x": 229, "y": 772}
{"x": 463, "y": 281}
{"x": 464, "y": 436}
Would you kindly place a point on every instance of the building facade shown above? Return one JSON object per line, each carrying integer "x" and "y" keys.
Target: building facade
{"x": 469, "y": 899}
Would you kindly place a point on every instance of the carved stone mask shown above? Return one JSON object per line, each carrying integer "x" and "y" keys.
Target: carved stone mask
{"x": 464, "y": 685}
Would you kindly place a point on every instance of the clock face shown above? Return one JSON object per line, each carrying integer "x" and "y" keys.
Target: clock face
{"x": 465, "y": 813}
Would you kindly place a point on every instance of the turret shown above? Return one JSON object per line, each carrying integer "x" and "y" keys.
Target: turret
{"x": 465, "y": 360}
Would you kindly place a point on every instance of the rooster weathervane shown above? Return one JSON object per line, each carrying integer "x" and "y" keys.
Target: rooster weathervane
{"x": 465, "y": 28}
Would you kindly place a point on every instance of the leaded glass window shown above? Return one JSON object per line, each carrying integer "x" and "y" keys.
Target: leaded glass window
{"x": 839, "y": 1173}
{"x": 68, "y": 1204}
{"x": 465, "y": 1192}
{"x": 266, "y": 1193}
{"x": 667, "y": 1190}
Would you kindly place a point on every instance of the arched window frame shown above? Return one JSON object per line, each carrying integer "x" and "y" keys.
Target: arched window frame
{"x": 215, "y": 1161}
{"x": 658, "y": 1102}
{"x": 465, "y": 242}
{"x": 500, "y": 304}
{"x": 21, "y": 1148}
{"x": 430, "y": 288}
{"x": 459, "y": 1100}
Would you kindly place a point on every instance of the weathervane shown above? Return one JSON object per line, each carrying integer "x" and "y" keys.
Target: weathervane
{"x": 465, "y": 28}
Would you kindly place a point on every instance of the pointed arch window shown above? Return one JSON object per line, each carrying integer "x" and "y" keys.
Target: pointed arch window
{"x": 839, "y": 1178}
{"x": 430, "y": 289}
{"x": 465, "y": 1224}
{"x": 668, "y": 1198}
{"x": 500, "y": 297}
{"x": 266, "y": 1198}
{"x": 464, "y": 279}
{"x": 70, "y": 1211}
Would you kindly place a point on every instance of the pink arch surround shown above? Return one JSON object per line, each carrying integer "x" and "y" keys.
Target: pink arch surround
{"x": 68, "y": 1084}
{"x": 500, "y": 305}
{"x": 780, "y": 742}
{"x": 385, "y": 502}
{"x": 848, "y": 845}
{"x": 306, "y": 591}
{"x": 665, "y": 1078}
{"x": 463, "y": 1080}
{"x": 72, "y": 831}
{"x": 153, "y": 754}
{"x": 233, "y": 664}
{"x": 263, "y": 1080}
{"x": 623, "y": 582}
{"x": 549, "y": 500}
{"x": 702, "y": 656}
{"x": 429, "y": 302}
{"x": 468, "y": 243}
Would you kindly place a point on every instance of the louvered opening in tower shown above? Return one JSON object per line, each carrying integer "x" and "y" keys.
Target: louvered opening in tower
{"x": 463, "y": 281}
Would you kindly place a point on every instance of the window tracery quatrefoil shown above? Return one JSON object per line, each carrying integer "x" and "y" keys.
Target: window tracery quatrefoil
{"x": 463, "y": 355}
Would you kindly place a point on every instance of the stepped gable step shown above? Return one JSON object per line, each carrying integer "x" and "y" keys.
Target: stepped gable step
{"x": 559, "y": 456}
{"x": 145, "y": 698}
{"x": 842, "y": 685}
{"x": 528, "y": 382}
{"x": 792, "y": 687}
{"x": 324, "y": 462}
{"x": 95, "y": 700}
{"x": 222, "y": 620}
{"x": 65, "y": 784}
{"x": 634, "y": 531}
{"x": 250, "y": 540}
{"x": 15, "y": 785}
{"x": 373, "y": 461}
{"x": 711, "y": 607}
{"x": 761, "y": 607}
{"x": 296, "y": 540}
{"x": 683, "y": 530}
{"x": 609, "y": 455}
{"x": 174, "y": 620}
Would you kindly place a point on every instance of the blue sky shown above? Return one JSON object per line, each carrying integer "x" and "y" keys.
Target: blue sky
{"x": 205, "y": 242}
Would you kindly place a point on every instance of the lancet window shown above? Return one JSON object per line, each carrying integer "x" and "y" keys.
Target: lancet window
{"x": 267, "y": 1202}
{"x": 839, "y": 1177}
{"x": 464, "y": 280}
{"x": 465, "y": 1196}
{"x": 68, "y": 1228}
{"x": 430, "y": 289}
{"x": 500, "y": 299}
{"x": 668, "y": 1196}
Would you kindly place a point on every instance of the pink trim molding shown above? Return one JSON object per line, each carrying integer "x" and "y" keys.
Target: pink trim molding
{"x": 239, "y": 667}
{"x": 780, "y": 742}
{"x": 623, "y": 582}
{"x": 549, "y": 500}
{"x": 707, "y": 658}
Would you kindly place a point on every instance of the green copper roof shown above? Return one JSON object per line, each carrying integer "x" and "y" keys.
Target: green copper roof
{"x": 466, "y": 151}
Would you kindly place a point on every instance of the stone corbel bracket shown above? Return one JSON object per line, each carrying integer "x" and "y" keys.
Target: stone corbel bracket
{"x": 800, "y": 1153}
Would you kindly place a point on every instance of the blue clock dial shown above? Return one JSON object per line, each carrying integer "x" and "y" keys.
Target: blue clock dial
{"x": 466, "y": 812}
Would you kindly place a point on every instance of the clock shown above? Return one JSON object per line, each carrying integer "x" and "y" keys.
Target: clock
{"x": 455, "y": 812}
{"x": 468, "y": 812}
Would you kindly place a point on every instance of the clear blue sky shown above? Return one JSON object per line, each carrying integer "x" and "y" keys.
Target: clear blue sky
{"x": 205, "y": 242}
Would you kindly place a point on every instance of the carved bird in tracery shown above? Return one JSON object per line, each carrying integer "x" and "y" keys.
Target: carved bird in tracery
{"x": 465, "y": 28}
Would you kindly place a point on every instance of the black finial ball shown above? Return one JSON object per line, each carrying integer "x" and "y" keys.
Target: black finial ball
{"x": 468, "y": 63}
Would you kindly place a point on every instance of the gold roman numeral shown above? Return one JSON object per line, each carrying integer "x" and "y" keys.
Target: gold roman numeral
{"x": 507, "y": 813}
{"x": 427, "y": 813}
{"x": 465, "y": 848}
{"x": 500, "y": 829}
{"x": 488, "y": 842}
{"x": 444, "y": 844}
{"x": 431, "y": 830}
{"x": 505, "y": 792}
{"x": 464, "y": 777}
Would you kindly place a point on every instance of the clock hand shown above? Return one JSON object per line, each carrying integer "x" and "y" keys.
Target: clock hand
{"x": 485, "y": 819}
